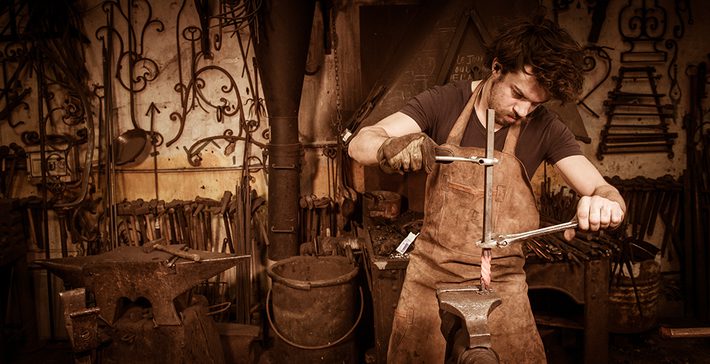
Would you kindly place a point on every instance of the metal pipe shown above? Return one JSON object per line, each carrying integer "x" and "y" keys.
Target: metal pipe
{"x": 41, "y": 96}
{"x": 283, "y": 34}
{"x": 685, "y": 332}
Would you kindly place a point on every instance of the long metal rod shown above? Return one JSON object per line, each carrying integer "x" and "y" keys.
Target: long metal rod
{"x": 111, "y": 179}
{"x": 41, "y": 97}
{"x": 488, "y": 176}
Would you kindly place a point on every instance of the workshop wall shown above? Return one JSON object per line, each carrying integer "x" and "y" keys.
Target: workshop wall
{"x": 673, "y": 48}
{"x": 188, "y": 76}
{"x": 176, "y": 85}
{"x": 199, "y": 94}
{"x": 676, "y": 52}
{"x": 163, "y": 68}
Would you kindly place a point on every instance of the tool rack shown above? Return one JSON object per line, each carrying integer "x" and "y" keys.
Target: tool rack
{"x": 637, "y": 122}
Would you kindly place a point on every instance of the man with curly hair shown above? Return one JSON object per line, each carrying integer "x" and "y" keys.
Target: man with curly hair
{"x": 531, "y": 62}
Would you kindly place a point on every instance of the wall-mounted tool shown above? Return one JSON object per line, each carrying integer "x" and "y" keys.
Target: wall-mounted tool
{"x": 637, "y": 122}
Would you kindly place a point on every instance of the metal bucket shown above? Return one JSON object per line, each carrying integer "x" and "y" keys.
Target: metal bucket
{"x": 314, "y": 309}
{"x": 627, "y": 314}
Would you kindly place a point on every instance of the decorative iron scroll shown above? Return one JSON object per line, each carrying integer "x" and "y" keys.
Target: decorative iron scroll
{"x": 591, "y": 54}
{"x": 643, "y": 27}
{"x": 682, "y": 6}
{"x": 191, "y": 90}
{"x": 13, "y": 65}
{"x": 195, "y": 92}
{"x": 134, "y": 70}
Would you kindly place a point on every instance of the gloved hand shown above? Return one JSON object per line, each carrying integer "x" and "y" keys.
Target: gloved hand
{"x": 406, "y": 153}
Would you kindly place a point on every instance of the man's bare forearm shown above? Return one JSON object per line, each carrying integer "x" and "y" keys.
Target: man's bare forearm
{"x": 363, "y": 147}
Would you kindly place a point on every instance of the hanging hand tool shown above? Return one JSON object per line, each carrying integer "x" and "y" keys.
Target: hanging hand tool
{"x": 224, "y": 211}
{"x": 501, "y": 241}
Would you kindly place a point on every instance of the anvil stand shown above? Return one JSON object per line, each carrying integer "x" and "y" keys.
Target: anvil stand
{"x": 143, "y": 311}
{"x": 464, "y": 310}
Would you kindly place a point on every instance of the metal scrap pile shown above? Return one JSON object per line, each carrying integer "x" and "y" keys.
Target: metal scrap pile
{"x": 387, "y": 236}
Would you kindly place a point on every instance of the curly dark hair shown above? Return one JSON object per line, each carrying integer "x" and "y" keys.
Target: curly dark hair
{"x": 556, "y": 59}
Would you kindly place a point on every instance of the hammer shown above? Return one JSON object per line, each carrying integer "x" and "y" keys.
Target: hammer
{"x": 156, "y": 245}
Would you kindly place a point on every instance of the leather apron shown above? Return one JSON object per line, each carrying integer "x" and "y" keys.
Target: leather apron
{"x": 445, "y": 254}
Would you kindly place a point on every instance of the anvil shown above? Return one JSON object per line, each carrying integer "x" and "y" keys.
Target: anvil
{"x": 131, "y": 273}
{"x": 472, "y": 305}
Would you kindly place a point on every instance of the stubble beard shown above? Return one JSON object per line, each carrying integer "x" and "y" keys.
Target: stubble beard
{"x": 501, "y": 115}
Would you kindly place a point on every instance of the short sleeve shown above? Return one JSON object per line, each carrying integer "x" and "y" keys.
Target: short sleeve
{"x": 562, "y": 142}
{"x": 434, "y": 108}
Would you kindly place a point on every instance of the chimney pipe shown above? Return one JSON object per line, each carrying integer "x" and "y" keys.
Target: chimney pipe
{"x": 284, "y": 30}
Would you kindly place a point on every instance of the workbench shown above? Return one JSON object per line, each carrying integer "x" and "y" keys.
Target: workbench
{"x": 586, "y": 284}
{"x": 385, "y": 277}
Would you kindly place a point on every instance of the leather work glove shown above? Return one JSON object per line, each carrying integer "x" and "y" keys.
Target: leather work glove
{"x": 407, "y": 153}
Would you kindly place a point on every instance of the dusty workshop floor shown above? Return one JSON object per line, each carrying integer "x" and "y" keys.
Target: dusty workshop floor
{"x": 563, "y": 346}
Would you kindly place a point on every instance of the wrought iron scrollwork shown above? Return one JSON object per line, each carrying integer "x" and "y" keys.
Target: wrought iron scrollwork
{"x": 645, "y": 26}
{"x": 14, "y": 61}
{"x": 133, "y": 69}
{"x": 224, "y": 100}
{"x": 194, "y": 153}
{"x": 591, "y": 54}
{"x": 193, "y": 90}
{"x": 682, "y": 6}
{"x": 674, "y": 91}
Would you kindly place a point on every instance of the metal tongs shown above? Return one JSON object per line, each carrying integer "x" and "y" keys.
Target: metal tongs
{"x": 501, "y": 241}
{"x": 474, "y": 159}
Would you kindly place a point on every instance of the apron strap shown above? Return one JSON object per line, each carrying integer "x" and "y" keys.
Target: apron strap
{"x": 456, "y": 134}
{"x": 511, "y": 140}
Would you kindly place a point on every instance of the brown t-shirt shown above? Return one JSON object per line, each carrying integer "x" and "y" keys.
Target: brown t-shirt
{"x": 543, "y": 136}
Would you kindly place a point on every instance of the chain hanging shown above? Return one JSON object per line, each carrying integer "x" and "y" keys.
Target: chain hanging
{"x": 338, "y": 122}
{"x": 343, "y": 195}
